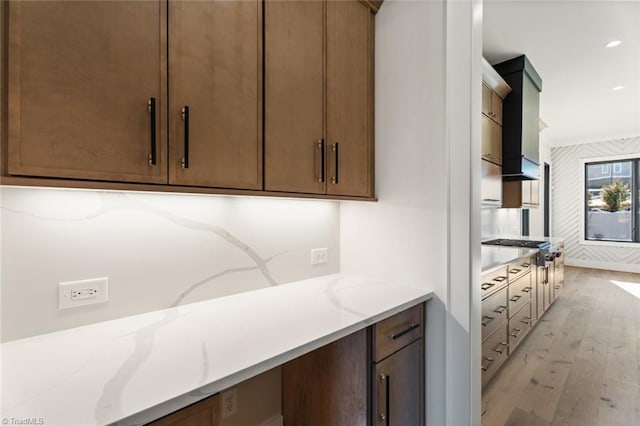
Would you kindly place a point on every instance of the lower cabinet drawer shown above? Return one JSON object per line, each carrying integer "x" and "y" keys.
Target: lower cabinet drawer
{"x": 519, "y": 326}
{"x": 494, "y": 352}
{"x": 494, "y": 312}
{"x": 397, "y": 332}
{"x": 519, "y": 294}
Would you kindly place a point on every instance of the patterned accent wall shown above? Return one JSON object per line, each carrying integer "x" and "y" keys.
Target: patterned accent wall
{"x": 567, "y": 205}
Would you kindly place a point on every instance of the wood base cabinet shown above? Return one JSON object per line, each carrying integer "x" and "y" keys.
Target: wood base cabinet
{"x": 203, "y": 413}
{"x": 372, "y": 377}
{"x": 319, "y": 97}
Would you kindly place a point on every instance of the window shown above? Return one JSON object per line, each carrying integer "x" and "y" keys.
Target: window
{"x": 611, "y": 200}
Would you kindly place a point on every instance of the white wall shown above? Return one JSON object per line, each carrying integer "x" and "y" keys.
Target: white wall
{"x": 424, "y": 173}
{"x": 156, "y": 249}
{"x": 568, "y": 201}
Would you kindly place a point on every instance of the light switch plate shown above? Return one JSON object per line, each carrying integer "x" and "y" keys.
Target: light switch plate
{"x": 83, "y": 292}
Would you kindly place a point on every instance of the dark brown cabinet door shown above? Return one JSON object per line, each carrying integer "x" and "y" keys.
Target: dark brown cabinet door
{"x": 398, "y": 388}
{"x": 203, "y": 413}
{"x": 81, "y": 77}
{"x": 295, "y": 150}
{"x": 350, "y": 98}
{"x": 215, "y": 68}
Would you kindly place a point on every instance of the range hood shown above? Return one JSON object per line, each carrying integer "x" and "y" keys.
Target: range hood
{"x": 521, "y": 116}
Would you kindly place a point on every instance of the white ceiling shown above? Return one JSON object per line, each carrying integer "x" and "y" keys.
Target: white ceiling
{"x": 564, "y": 40}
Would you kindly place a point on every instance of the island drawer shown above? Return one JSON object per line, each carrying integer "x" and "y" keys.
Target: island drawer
{"x": 494, "y": 312}
{"x": 494, "y": 353}
{"x": 519, "y": 294}
{"x": 493, "y": 281}
{"x": 519, "y": 326}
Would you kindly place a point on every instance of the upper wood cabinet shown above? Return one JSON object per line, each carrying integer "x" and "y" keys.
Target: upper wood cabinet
{"x": 491, "y": 141}
{"x": 86, "y": 90}
{"x": 215, "y": 109}
{"x": 491, "y": 104}
{"x": 522, "y": 193}
{"x": 319, "y": 97}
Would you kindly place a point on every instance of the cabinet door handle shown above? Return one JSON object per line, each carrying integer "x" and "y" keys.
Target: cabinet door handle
{"x": 321, "y": 155}
{"x": 152, "y": 113}
{"x": 409, "y": 329}
{"x": 185, "y": 118}
{"x": 515, "y": 270}
{"x": 486, "y": 366}
{"x": 334, "y": 148}
{"x": 527, "y": 289}
{"x": 487, "y": 286}
{"x": 515, "y": 298}
{"x": 525, "y": 320}
{"x": 500, "y": 309}
{"x": 490, "y": 199}
{"x": 515, "y": 332}
{"x": 383, "y": 416}
{"x": 501, "y": 347}
{"x": 500, "y": 279}
{"x": 486, "y": 319}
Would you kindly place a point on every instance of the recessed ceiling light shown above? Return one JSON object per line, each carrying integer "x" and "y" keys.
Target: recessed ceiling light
{"x": 613, "y": 43}
{"x": 618, "y": 88}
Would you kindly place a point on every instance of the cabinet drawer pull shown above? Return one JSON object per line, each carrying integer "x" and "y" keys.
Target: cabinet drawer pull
{"x": 152, "y": 113}
{"x": 501, "y": 347}
{"x": 321, "y": 155}
{"x": 491, "y": 199}
{"x": 525, "y": 265}
{"x": 409, "y": 329}
{"x": 515, "y": 298}
{"x": 185, "y": 118}
{"x": 515, "y": 271}
{"x": 527, "y": 289}
{"x": 334, "y": 148}
{"x": 525, "y": 320}
{"x": 486, "y": 366}
{"x": 515, "y": 332}
{"x": 486, "y": 320}
{"x": 500, "y": 279}
{"x": 500, "y": 309}
{"x": 487, "y": 286}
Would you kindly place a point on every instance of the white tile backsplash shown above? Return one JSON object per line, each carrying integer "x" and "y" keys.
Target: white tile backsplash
{"x": 157, "y": 250}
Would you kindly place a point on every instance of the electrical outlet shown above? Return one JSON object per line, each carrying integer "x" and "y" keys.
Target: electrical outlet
{"x": 84, "y": 292}
{"x": 229, "y": 402}
{"x": 319, "y": 256}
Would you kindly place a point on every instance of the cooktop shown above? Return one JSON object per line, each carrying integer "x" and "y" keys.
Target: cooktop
{"x": 518, "y": 243}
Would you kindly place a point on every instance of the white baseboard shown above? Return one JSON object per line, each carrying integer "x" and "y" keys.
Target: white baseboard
{"x": 610, "y": 266}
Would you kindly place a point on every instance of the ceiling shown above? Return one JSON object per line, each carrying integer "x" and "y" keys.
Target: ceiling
{"x": 564, "y": 40}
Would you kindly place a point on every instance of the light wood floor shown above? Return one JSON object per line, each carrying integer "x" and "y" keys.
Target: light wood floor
{"x": 580, "y": 365}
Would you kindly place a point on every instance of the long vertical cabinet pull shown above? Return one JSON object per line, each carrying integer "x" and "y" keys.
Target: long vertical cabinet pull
{"x": 185, "y": 118}
{"x": 321, "y": 156}
{"x": 383, "y": 416}
{"x": 152, "y": 113}
{"x": 334, "y": 148}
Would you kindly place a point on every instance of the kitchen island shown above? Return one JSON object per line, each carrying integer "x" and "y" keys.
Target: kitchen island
{"x": 136, "y": 369}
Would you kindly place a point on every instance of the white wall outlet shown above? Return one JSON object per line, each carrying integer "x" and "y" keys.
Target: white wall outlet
{"x": 319, "y": 256}
{"x": 229, "y": 402}
{"x": 84, "y": 292}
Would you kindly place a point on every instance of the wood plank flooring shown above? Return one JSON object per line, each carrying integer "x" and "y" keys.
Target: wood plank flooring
{"x": 580, "y": 365}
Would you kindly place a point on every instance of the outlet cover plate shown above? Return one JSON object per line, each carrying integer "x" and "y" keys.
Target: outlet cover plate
{"x": 72, "y": 294}
{"x": 319, "y": 256}
{"x": 229, "y": 403}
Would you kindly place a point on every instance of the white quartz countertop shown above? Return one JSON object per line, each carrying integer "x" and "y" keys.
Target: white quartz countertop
{"x": 135, "y": 369}
{"x": 495, "y": 256}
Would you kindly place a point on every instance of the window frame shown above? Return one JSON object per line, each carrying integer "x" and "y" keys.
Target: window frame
{"x": 635, "y": 203}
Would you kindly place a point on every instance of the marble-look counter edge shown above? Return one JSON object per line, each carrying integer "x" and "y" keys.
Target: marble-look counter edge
{"x": 494, "y": 257}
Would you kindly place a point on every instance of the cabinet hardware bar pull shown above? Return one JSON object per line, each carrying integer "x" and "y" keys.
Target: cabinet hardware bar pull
{"x": 516, "y": 332}
{"x": 322, "y": 165}
{"x": 487, "y": 286}
{"x": 185, "y": 118}
{"x": 500, "y": 279}
{"x": 490, "y": 199}
{"x": 152, "y": 111}
{"x": 489, "y": 362}
{"x": 486, "y": 320}
{"x": 500, "y": 309}
{"x": 409, "y": 329}
{"x": 515, "y": 270}
{"x": 383, "y": 416}
{"x": 515, "y": 298}
{"x": 334, "y": 148}
{"x": 501, "y": 347}
{"x": 527, "y": 289}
